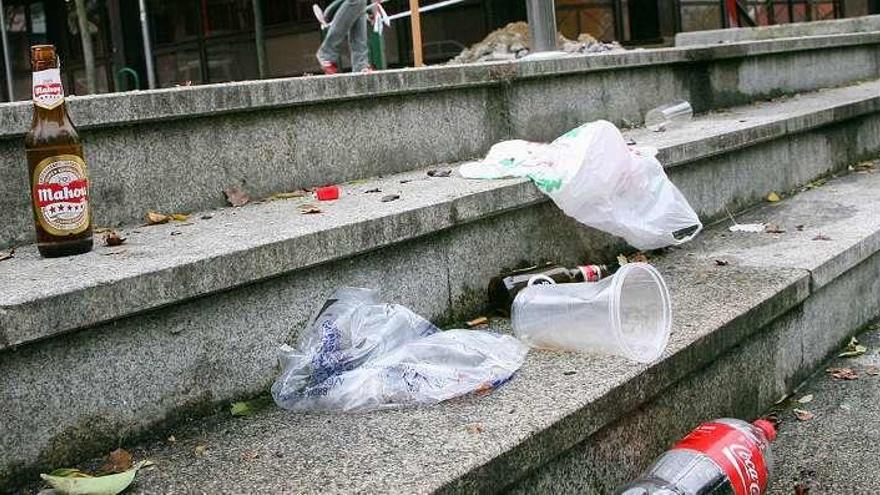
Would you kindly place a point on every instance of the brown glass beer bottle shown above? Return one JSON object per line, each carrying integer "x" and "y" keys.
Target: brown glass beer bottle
{"x": 58, "y": 179}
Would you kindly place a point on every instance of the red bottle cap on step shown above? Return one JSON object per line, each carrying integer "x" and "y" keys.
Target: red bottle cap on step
{"x": 327, "y": 193}
{"x": 767, "y": 427}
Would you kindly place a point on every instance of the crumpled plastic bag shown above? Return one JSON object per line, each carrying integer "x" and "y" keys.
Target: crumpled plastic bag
{"x": 360, "y": 355}
{"x": 594, "y": 176}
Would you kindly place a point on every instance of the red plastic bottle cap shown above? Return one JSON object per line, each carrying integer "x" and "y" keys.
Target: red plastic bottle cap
{"x": 767, "y": 427}
{"x": 327, "y": 193}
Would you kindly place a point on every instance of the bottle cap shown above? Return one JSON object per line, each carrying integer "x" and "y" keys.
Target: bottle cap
{"x": 767, "y": 427}
{"x": 327, "y": 193}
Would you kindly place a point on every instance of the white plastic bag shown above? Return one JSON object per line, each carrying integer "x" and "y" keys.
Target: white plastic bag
{"x": 360, "y": 355}
{"x": 593, "y": 176}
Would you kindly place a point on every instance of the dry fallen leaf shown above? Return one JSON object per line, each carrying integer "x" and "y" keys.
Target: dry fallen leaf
{"x": 180, "y": 217}
{"x": 200, "y": 449}
{"x": 308, "y": 209}
{"x": 156, "y": 218}
{"x": 806, "y": 399}
{"x": 119, "y": 461}
{"x": 872, "y": 370}
{"x": 843, "y": 373}
{"x": 111, "y": 238}
{"x": 773, "y": 197}
{"x": 802, "y": 415}
{"x": 853, "y": 349}
{"x": 772, "y": 228}
{"x": 7, "y": 255}
{"x": 237, "y": 196}
{"x": 476, "y": 322}
{"x": 821, "y": 237}
{"x": 475, "y": 428}
{"x": 390, "y": 197}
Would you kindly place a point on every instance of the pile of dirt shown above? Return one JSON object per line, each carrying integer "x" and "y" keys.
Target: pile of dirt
{"x": 513, "y": 41}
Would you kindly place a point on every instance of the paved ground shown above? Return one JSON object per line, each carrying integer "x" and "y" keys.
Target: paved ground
{"x": 838, "y": 450}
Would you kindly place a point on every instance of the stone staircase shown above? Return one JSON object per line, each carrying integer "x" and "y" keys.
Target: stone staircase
{"x": 128, "y": 344}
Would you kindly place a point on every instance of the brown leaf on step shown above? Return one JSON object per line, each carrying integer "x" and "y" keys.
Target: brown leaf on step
{"x": 801, "y": 489}
{"x": 200, "y": 450}
{"x": 237, "y": 196}
{"x": 156, "y": 218}
{"x": 772, "y": 228}
{"x": 478, "y": 322}
{"x": 119, "y": 461}
{"x": 7, "y": 255}
{"x": 308, "y": 209}
{"x": 872, "y": 370}
{"x": 722, "y": 262}
{"x": 439, "y": 173}
{"x": 821, "y": 237}
{"x": 390, "y": 197}
{"x": 179, "y": 217}
{"x": 475, "y": 428}
{"x": 249, "y": 455}
{"x": 843, "y": 373}
{"x": 111, "y": 238}
{"x": 803, "y": 415}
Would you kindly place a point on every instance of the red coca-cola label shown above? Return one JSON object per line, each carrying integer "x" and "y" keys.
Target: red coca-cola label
{"x": 737, "y": 454}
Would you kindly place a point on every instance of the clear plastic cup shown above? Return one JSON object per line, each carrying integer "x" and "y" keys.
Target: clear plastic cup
{"x": 662, "y": 117}
{"x": 628, "y": 314}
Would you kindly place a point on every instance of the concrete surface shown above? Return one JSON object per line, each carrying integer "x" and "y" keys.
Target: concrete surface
{"x": 863, "y": 24}
{"x": 836, "y": 451}
{"x": 730, "y": 322}
{"x": 719, "y": 161}
{"x": 177, "y": 149}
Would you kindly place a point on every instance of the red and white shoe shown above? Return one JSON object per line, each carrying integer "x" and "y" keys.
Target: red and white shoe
{"x": 329, "y": 68}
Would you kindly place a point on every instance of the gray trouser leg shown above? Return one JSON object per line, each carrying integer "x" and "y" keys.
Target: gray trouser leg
{"x": 357, "y": 42}
{"x": 341, "y": 26}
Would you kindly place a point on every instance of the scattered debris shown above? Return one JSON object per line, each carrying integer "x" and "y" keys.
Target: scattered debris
{"x": 405, "y": 181}
{"x": 7, "y": 255}
{"x": 172, "y": 440}
{"x": 299, "y": 193}
{"x": 308, "y": 209}
{"x": 111, "y": 238}
{"x": 374, "y": 190}
{"x": 843, "y": 373}
{"x": 806, "y": 399}
{"x": 475, "y": 428}
{"x": 803, "y": 415}
{"x": 156, "y": 218}
{"x": 772, "y": 228}
{"x": 513, "y": 41}
{"x": 722, "y": 262}
{"x": 207, "y": 216}
{"x": 328, "y": 193}
{"x": 816, "y": 183}
{"x": 865, "y": 168}
{"x": 179, "y": 217}
{"x": 821, "y": 237}
{"x": 439, "y": 173}
{"x": 76, "y": 482}
{"x": 200, "y": 449}
{"x": 853, "y": 349}
{"x": 773, "y": 197}
{"x": 237, "y": 196}
{"x": 800, "y": 228}
{"x": 391, "y": 197}
{"x": 872, "y": 370}
{"x": 478, "y": 322}
{"x": 176, "y": 232}
{"x": 119, "y": 461}
{"x": 747, "y": 227}
{"x": 569, "y": 373}
{"x": 249, "y": 455}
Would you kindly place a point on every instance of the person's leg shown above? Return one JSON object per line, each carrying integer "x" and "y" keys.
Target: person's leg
{"x": 349, "y": 12}
{"x": 359, "y": 45}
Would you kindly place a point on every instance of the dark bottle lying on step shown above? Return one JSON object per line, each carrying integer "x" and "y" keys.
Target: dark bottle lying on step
{"x": 58, "y": 181}
{"x": 504, "y": 288}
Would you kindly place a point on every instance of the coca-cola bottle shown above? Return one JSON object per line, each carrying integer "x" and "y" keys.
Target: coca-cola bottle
{"x": 721, "y": 457}
{"x": 504, "y": 288}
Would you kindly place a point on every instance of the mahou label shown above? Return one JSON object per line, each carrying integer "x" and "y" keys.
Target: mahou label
{"x": 739, "y": 457}
{"x": 48, "y": 90}
{"x": 61, "y": 195}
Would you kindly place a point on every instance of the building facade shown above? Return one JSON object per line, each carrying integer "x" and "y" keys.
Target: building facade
{"x": 207, "y": 41}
